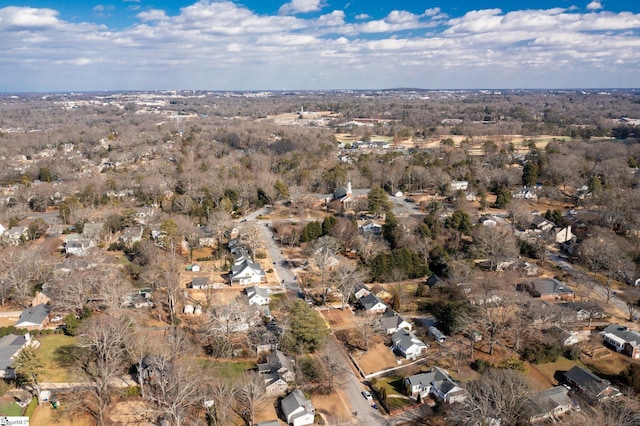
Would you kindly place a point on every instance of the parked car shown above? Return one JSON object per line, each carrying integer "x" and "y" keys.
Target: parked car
{"x": 367, "y": 395}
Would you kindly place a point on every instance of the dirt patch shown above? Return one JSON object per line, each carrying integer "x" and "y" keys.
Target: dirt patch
{"x": 267, "y": 411}
{"x": 339, "y": 319}
{"x": 333, "y": 406}
{"x": 45, "y": 415}
{"x": 378, "y": 357}
{"x": 131, "y": 413}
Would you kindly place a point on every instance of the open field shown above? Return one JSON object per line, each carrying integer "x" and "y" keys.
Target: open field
{"x": 332, "y": 406}
{"x": 53, "y": 351}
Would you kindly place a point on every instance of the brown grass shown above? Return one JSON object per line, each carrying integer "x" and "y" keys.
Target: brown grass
{"x": 378, "y": 357}
{"x": 332, "y": 406}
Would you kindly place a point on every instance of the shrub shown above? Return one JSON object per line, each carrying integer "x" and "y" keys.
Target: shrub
{"x": 481, "y": 365}
{"x": 540, "y": 353}
{"x": 132, "y": 391}
{"x": 31, "y": 408}
{"x": 572, "y": 353}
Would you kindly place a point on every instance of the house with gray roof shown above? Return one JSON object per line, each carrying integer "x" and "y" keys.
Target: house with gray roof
{"x": 93, "y": 231}
{"x": 258, "y": 295}
{"x": 589, "y": 385}
{"x": 407, "y": 344}
{"x": 436, "y": 382}
{"x": 278, "y": 371}
{"x": 10, "y": 346}
{"x": 622, "y": 340}
{"x": 297, "y": 409}
{"x": 391, "y": 322}
{"x": 35, "y": 317}
{"x": 550, "y": 289}
{"x": 246, "y": 272}
{"x": 550, "y": 404}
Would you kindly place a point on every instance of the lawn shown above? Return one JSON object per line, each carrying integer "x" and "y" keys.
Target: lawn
{"x": 395, "y": 391}
{"x": 10, "y": 409}
{"x": 54, "y": 352}
{"x": 549, "y": 369}
{"x": 229, "y": 369}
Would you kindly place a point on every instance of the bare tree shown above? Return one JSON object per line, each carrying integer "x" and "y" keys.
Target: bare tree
{"x": 251, "y": 394}
{"x": 102, "y": 361}
{"x": 220, "y": 397}
{"x": 495, "y": 244}
{"x": 346, "y": 279}
{"x": 324, "y": 250}
{"x": 139, "y": 345}
{"x": 500, "y": 395}
{"x": 332, "y": 364}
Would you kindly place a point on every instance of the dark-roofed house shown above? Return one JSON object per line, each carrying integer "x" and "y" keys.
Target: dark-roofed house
{"x": 407, "y": 344}
{"x": 391, "y": 322}
{"x": 435, "y": 281}
{"x": 550, "y": 289}
{"x": 278, "y": 371}
{"x": 297, "y": 409}
{"x": 372, "y": 304}
{"x": 200, "y": 283}
{"x": 10, "y": 346}
{"x": 436, "y": 382}
{"x": 34, "y": 317}
{"x": 550, "y": 404}
{"x": 622, "y": 340}
{"x": 591, "y": 386}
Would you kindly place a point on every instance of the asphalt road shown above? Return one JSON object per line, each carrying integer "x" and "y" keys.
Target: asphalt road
{"x": 352, "y": 387}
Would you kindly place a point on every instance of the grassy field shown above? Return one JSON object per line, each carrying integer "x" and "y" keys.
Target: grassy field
{"x": 229, "y": 369}
{"x": 10, "y": 409}
{"x": 53, "y": 352}
{"x": 562, "y": 364}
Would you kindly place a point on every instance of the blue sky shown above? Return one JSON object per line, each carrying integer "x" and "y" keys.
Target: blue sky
{"x": 63, "y": 45}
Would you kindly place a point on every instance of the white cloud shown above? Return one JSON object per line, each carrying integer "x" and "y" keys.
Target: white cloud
{"x": 362, "y": 16}
{"x": 594, "y": 5}
{"x": 27, "y": 18}
{"x": 222, "y": 45}
{"x": 301, "y": 6}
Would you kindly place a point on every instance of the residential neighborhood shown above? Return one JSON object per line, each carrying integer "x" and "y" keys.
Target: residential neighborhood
{"x": 187, "y": 266}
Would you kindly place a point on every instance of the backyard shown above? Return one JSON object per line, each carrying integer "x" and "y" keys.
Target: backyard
{"x": 56, "y": 351}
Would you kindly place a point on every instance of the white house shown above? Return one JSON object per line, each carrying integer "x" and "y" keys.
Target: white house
{"x": 247, "y": 273}
{"x": 391, "y": 322}
{"x": 78, "y": 247}
{"x": 459, "y": 185}
{"x": 372, "y": 304}
{"x": 258, "y": 295}
{"x": 297, "y": 409}
{"x": 436, "y": 382}
{"x": 550, "y": 403}
{"x": 407, "y": 344}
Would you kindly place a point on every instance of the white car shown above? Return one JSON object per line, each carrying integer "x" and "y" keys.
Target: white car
{"x": 56, "y": 318}
{"x": 367, "y": 395}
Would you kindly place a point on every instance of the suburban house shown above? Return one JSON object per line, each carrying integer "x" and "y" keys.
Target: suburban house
{"x": 550, "y": 289}
{"x": 258, "y": 295}
{"x": 435, "y": 281}
{"x": 550, "y": 404}
{"x": 591, "y": 386}
{"x": 407, "y": 344}
{"x": 93, "y": 231}
{"x": 15, "y": 235}
{"x": 564, "y": 235}
{"x": 297, "y": 409}
{"x": 35, "y": 317}
{"x": 360, "y": 291}
{"x": 78, "y": 247}
{"x": 391, "y": 322}
{"x": 245, "y": 272}
{"x": 200, "y": 283}
{"x": 459, "y": 185}
{"x": 525, "y": 193}
{"x": 622, "y": 340}
{"x": 541, "y": 224}
{"x": 278, "y": 371}
{"x": 566, "y": 337}
{"x": 10, "y": 346}
{"x": 372, "y": 304}
{"x": 436, "y": 382}
{"x": 132, "y": 235}
{"x": 370, "y": 227}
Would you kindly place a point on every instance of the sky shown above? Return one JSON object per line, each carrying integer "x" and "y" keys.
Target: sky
{"x": 84, "y": 45}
